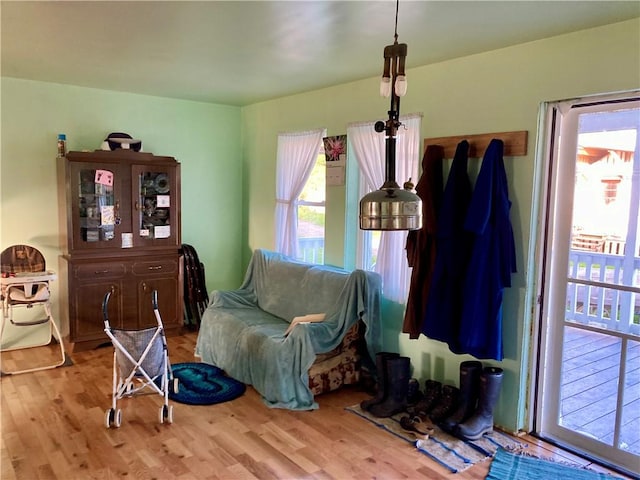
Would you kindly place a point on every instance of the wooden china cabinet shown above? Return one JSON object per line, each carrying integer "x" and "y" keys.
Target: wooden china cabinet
{"x": 120, "y": 211}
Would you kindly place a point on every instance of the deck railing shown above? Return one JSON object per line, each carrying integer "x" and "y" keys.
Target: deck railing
{"x": 591, "y": 300}
{"x": 311, "y": 250}
{"x": 604, "y": 291}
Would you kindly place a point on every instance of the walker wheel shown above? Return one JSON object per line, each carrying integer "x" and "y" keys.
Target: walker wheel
{"x": 108, "y": 415}
{"x": 113, "y": 417}
{"x": 166, "y": 413}
{"x": 176, "y": 385}
{"x": 170, "y": 414}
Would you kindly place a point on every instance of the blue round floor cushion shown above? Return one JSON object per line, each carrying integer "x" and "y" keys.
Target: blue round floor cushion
{"x": 204, "y": 384}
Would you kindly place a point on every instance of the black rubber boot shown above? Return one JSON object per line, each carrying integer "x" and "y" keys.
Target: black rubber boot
{"x": 469, "y": 388}
{"x": 446, "y": 404}
{"x": 482, "y": 420}
{"x": 397, "y": 384}
{"x": 381, "y": 371}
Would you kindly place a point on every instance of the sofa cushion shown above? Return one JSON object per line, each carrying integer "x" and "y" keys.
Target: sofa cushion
{"x": 334, "y": 372}
{"x": 288, "y": 289}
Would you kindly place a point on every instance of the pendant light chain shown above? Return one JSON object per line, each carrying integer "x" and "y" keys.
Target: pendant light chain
{"x": 395, "y": 34}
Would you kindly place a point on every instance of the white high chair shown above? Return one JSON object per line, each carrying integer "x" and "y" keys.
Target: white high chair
{"x": 25, "y": 284}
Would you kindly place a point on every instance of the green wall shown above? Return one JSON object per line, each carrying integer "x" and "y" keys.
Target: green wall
{"x": 495, "y": 91}
{"x": 205, "y": 138}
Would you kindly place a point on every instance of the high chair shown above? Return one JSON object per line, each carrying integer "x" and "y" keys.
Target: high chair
{"x": 25, "y": 284}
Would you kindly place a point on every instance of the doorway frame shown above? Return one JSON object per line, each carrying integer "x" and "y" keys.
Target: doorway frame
{"x": 546, "y": 175}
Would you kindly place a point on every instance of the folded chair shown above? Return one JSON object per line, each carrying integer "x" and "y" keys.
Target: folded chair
{"x": 25, "y": 285}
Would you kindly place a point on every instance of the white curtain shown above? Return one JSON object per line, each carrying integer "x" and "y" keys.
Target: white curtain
{"x": 369, "y": 149}
{"x": 297, "y": 154}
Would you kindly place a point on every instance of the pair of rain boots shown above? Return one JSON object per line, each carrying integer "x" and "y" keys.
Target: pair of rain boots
{"x": 479, "y": 391}
{"x": 393, "y": 384}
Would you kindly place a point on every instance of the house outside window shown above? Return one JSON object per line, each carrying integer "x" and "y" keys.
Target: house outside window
{"x": 311, "y": 214}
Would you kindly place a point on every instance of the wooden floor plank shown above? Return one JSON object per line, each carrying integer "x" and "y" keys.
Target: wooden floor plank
{"x": 53, "y": 428}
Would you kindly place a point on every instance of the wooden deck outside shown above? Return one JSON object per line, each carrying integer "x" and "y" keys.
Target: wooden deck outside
{"x": 590, "y": 384}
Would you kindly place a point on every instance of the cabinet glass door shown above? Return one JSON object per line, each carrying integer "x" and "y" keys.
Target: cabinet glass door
{"x": 95, "y": 206}
{"x": 155, "y": 220}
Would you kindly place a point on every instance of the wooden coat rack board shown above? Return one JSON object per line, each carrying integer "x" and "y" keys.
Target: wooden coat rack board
{"x": 515, "y": 143}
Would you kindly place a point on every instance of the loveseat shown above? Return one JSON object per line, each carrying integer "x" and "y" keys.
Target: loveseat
{"x": 243, "y": 331}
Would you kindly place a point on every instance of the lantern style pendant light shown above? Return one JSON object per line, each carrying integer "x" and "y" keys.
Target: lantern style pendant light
{"x": 392, "y": 207}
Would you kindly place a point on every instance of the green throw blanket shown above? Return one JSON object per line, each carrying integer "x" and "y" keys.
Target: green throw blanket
{"x": 242, "y": 331}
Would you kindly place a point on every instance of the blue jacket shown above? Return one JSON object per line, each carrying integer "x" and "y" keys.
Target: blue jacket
{"x": 492, "y": 258}
{"x": 453, "y": 248}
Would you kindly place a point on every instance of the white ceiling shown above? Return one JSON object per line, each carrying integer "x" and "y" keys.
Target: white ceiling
{"x": 242, "y": 52}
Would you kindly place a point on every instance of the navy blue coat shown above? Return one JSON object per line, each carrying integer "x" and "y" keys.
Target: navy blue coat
{"x": 453, "y": 248}
{"x": 492, "y": 258}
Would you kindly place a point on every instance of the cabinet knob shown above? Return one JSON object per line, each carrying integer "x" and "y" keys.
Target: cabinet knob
{"x": 155, "y": 267}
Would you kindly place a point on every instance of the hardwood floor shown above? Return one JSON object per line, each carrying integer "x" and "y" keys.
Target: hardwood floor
{"x": 53, "y": 427}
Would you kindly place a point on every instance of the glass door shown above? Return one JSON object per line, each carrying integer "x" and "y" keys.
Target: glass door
{"x": 95, "y": 206}
{"x": 589, "y": 360}
{"x": 155, "y": 216}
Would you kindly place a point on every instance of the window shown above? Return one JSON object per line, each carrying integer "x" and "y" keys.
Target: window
{"x": 611, "y": 188}
{"x": 297, "y": 157}
{"x": 384, "y": 252}
{"x": 311, "y": 213}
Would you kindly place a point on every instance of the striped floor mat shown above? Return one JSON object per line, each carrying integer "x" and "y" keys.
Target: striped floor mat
{"x": 451, "y": 452}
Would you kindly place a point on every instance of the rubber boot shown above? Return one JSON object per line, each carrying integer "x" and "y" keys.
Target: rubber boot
{"x": 381, "y": 371}
{"x": 482, "y": 420}
{"x": 397, "y": 383}
{"x": 469, "y": 388}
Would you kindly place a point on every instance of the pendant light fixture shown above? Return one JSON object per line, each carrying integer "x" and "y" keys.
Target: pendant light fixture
{"x": 392, "y": 207}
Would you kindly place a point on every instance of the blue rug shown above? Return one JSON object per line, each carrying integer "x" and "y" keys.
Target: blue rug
{"x": 204, "y": 384}
{"x": 509, "y": 465}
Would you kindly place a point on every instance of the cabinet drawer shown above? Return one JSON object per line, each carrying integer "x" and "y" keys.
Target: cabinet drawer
{"x": 100, "y": 270}
{"x": 162, "y": 266}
